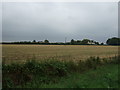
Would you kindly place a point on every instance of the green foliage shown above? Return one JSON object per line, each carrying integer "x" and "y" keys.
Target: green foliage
{"x": 102, "y": 43}
{"x": 113, "y": 41}
{"x": 93, "y": 62}
{"x": 102, "y": 77}
{"x": 110, "y": 41}
{"x": 55, "y": 68}
{"x": 85, "y": 41}
{"x": 34, "y": 41}
{"x": 71, "y": 66}
{"x": 8, "y": 83}
{"x": 46, "y": 41}
{"x": 49, "y": 71}
{"x": 72, "y": 42}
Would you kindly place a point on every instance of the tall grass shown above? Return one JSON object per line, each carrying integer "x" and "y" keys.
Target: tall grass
{"x": 48, "y": 71}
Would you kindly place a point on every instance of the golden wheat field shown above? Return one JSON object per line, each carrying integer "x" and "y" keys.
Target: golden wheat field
{"x": 21, "y": 53}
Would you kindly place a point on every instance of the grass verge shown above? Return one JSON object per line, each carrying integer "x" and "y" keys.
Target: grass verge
{"x": 102, "y": 77}
{"x": 91, "y": 73}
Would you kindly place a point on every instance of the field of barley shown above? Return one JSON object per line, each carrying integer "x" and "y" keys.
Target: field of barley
{"x": 21, "y": 53}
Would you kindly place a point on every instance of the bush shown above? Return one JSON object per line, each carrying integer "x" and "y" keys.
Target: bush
{"x": 93, "y": 62}
{"x": 49, "y": 70}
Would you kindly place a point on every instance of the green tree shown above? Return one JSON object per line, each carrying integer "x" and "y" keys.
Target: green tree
{"x": 78, "y": 42}
{"x": 46, "y": 41}
{"x": 34, "y": 41}
{"x": 97, "y": 43}
{"x": 85, "y": 41}
{"x": 72, "y": 41}
{"x": 113, "y": 41}
{"x": 102, "y": 43}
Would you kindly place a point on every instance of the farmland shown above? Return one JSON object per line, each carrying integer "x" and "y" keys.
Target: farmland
{"x": 21, "y": 53}
{"x": 58, "y": 68}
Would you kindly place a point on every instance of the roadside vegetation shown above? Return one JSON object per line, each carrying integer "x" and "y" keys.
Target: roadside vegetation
{"x": 94, "y": 72}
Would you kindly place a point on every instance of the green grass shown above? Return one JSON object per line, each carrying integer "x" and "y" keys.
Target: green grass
{"x": 94, "y": 72}
{"x": 102, "y": 77}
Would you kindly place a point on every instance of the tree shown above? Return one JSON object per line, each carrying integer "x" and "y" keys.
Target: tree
{"x": 34, "y": 41}
{"x": 113, "y": 41}
{"x": 78, "y": 42}
{"x": 85, "y": 41}
{"x": 72, "y": 42}
{"x": 102, "y": 43}
{"x": 46, "y": 41}
{"x": 97, "y": 43}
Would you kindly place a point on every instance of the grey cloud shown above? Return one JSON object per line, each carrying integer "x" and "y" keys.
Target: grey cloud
{"x": 55, "y": 21}
{"x": 0, "y": 12}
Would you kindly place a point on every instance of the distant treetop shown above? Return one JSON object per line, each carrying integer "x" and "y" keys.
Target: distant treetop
{"x": 113, "y": 41}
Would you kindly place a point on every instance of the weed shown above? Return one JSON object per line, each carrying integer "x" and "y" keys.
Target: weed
{"x": 50, "y": 70}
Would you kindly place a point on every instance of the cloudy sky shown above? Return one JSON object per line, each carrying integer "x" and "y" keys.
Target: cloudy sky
{"x": 55, "y": 21}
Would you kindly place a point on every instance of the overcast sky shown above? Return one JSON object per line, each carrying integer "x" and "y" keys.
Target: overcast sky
{"x": 55, "y": 21}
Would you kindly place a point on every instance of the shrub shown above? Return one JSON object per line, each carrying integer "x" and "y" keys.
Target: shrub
{"x": 49, "y": 70}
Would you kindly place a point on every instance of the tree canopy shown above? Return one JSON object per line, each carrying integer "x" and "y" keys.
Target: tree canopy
{"x": 113, "y": 41}
{"x": 46, "y": 41}
{"x": 110, "y": 41}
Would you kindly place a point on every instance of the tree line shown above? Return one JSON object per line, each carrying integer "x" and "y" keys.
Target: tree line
{"x": 110, "y": 41}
